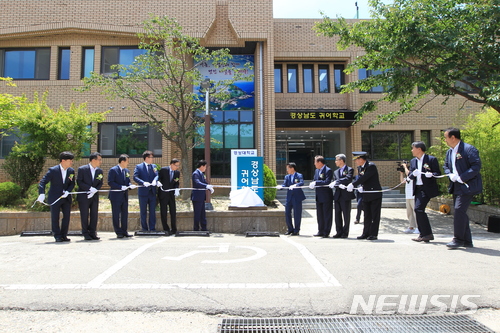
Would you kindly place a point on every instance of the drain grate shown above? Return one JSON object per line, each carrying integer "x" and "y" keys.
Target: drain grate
{"x": 365, "y": 324}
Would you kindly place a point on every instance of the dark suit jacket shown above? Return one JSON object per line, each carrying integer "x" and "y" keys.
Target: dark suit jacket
{"x": 368, "y": 177}
{"x": 142, "y": 175}
{"x": 164, "y": 178}
{"x": 296, "y": 194}
{"x": 323, "y": 176}
{"x": 85, "y": 181}
{"x": 468, "y": 165}
{"x": 57, "y": 186}
{"x": 430, "y": 164}
{"x": 344, "y": 178}
{"x": 115, "y": 181}
{"x": 199, "y": 181}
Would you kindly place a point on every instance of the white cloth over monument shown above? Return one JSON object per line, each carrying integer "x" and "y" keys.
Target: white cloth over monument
{"x": 245, "y": 198}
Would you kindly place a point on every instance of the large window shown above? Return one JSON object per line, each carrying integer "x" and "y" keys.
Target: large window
{"x": 365, "y": 73}
{"x": 323, "y": 79}
{"x": 339, "y": 77}
{"x": 278, "y": 79}
{"x": 118, "y": 55}
{"x": 25, "y": 64}
{"x": 128, "y": 138}
{"x": 307, "y": 76}
{"x": 228, "y": 130}
{"x": 6, "y": 144}
{"x": 87, "y": 61}
{"x": 387, "y": 145}
{"x": 64, "y": 64}
{"x": 292, "y": 78}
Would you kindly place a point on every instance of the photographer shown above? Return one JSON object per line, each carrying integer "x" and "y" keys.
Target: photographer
{"x": 410, "y": 199}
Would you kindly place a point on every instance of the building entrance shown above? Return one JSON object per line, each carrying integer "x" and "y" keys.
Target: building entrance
{"x": 301, "y": 146}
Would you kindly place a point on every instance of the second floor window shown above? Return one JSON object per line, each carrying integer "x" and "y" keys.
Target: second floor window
{"x": 387, "y": 145}
{"x": 278, "y": 79}
{"x": 323, "y": 79}
{"x": 25, "y": 64}
{"x": 292, "y": 78}
{"x": 118, "y": 55}
{"x": 128, "y": 138}
{"x": 64, "y": 64}
{"x": 307, "y": 75}
{"x": 365, "y": 73}
{"x": 87, "y": 61}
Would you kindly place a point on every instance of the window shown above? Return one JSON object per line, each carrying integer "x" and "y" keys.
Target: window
{"x": 228, "y": 130}
{"x": 64, "y": 63}
{"x": 307, "y": 76}
{"x": 118, "y": 55}
{"x": 87, "y": 61}
{"x": 323, "y": 78}
{"x": 278, "y": 79}
{"x": 293, "y": 81}
{"x": 128, "y": 138}
{"x": 6, "y": 143}
{"x": 339, "y": 77}
{"x": 27, "y": 64}
{"x": 387, "y": 145}
{"x": 425, "y": 137}
{"x": 365, "y": 73}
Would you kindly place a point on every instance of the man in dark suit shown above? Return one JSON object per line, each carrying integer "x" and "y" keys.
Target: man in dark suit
{"x": 119, "y": 183}
{"x": 372, "y": 202}
{"x": 423, "y": 168}
{"x": 62, "y": 181}
{"x": 294, "y": 198}
{"x": 462, "y": 165}
{"x": 146, "y": 175}
{"x": 89, "y": 179}
{"x": 342, "y": 198}
{"x": 168, "y": 182}
{"x": 324, "y": 196}
{"x": 198, "y": 196}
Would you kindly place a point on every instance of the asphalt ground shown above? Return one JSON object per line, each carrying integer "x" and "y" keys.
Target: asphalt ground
{"x": 188, "y": 284}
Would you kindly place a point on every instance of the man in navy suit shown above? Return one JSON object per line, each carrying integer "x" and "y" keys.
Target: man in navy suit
{"x": 423, "y": 168}
{"x": 119, "y": 183}
{"x": 372, "y": 202}
{"x": 89, "y": 179}
{"x": 342, "y": 198}
{"x": 146, "y": 174}
{"x": 294, "y": 198}
{"x": 62, "y": 181}
{"x": 324, "y": 196}
{"x": 462, "y": 165}
{"x": 198, "y": 196}
{"x": 168, "y": 180}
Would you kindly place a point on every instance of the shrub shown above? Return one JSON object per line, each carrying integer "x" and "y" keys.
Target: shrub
{"x": 269, "y": 181}
{"x": 9, "y": 193}
{"x": 31, "y": 196}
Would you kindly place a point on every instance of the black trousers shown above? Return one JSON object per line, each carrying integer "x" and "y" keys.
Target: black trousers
{"x": 372, "y": 210}
{"x": 421, "y": 201}
{"x": 342, "y": 208}
{"x": 167, "y": 203}
{"x": 461, "y": 226}
{"x": 63, "y": 205}
{"x": 89, "y": 208}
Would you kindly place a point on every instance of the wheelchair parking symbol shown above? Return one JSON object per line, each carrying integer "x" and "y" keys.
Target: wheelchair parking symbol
{"x": 221, "y": 248}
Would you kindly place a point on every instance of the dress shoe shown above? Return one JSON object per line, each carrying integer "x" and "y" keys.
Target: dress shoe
{"x": 454, "y": 244}
{"x": 362, "y": 237}
{"x": 427, "y": 238}
{"x": 344, "y": 236}
{"x": 288, "y": 232}
{"x": 120, "y": 236}
{"x": 95, "y": 237}
{"x": 356, "y": 222}
{"x": 66, "y": 239}
{"x": 128, "y": 235}
{"x": 87, "y": 237}
{"x": 372, "y": 237}
{"x": 325, "y": 236}
{"x": 318, "y": 235}
{"x": 337, "y": 236}
{"x": 59, "y": 240}
{"x": 295, "y": 233}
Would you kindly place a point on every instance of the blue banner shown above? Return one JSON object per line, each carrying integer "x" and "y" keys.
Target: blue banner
{"x": 251, "y": 173}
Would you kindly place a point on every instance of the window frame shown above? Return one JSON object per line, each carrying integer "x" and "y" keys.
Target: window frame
{"x": 278, "y": 79}
{"x": 153, "y": 136}
{"x": 38, "y": 66}
{"x": 309, "y": 67}
{"x": 403, "y": 148}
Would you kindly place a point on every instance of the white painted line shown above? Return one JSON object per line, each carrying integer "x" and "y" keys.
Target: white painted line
{"x": 119, "y": 265}
{"x": 323, "y": 273}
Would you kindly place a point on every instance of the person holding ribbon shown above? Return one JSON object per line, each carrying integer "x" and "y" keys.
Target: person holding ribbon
{"x": 146, "y": 175}
{"x": 198, "y": 196}
{"x": 294, "y": 197}
{"x": 62, "y": 181}
{"x": 324, "y": 196}
{"x": 168, "y": 183}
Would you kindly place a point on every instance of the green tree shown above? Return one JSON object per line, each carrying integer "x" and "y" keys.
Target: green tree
{"x": 160, "y": 83}
{"x": 443, "y": 47}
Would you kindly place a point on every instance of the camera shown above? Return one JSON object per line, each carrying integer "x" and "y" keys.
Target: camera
{"x": 400, "y": 167}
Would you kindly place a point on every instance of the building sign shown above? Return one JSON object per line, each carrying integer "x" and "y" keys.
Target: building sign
{"x": 251, "y": 174}
{"x": 314, "y": 118}
{"x": 235, "y": 153}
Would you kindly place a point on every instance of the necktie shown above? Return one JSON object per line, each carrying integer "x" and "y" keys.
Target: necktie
{"x": 124, "y": 176}
{"x": 171, "y": 175}
{"x": 150, "y": 170}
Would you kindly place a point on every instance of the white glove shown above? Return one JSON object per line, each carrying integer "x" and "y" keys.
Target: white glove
{"x": 177, "y": 192}
{"x": 417, "y": 173}
{"x": 124, "y": 188}
{"x": 153, "y": 183}
{"x": 453, "y": 177}
{"x": 212, "y": 190}
{"x": 93, "y": 190}
{"x": 428, "y": 174}
{"x": 146, "y": 184}
{"x": 460, "y": 180}
{"x": 41, "y": 198}
{"x": 65, "y": 194}
{"x": 132, "y": 186}
{"x": 342, "y": 186}
{"x": 279, "y": 187}
{"x": 90, "y": 195}
{"x": 360, "y": 189}
{"x": 332, "y": 184}
{"x": 350, "y": 187}
{"x": 159, "y": 184}
{"x": 210, "y": 187}
{"x": 312, "y": 185}
{"x": 291, "y": 187}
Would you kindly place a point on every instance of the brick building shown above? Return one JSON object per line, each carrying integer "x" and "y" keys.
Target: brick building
{"x": 48, "y": 45}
